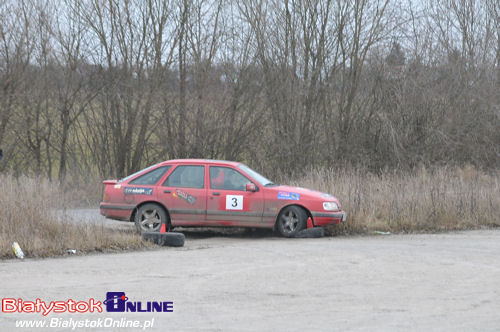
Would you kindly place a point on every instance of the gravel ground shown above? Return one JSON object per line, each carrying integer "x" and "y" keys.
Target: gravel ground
{"x": 258, "y": 282}
{"x": 92, "y": 216}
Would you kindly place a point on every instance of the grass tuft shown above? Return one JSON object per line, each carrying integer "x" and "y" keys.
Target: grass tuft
{"x": 28, "y": 215}
{"x": 437, "y": 200}
{"x": 442, "y": 199}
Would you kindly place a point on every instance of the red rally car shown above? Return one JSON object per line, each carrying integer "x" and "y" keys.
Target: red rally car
{"x": 197, "y": 192}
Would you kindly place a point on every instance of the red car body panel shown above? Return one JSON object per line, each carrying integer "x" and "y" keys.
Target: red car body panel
{"x": 210, "y": 206}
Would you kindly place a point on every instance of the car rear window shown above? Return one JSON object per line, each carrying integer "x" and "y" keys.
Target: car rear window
{"x": 152, "y": 177}
{"x": 186, "y": 176}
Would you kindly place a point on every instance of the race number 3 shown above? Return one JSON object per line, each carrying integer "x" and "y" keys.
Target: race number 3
{"x": 234, "y": 202}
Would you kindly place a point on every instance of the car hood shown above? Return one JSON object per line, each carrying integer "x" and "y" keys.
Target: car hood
{"x": 304, "y": 193}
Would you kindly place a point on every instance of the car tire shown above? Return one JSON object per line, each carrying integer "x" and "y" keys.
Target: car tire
{"x": 291, "y": 220}
{"x": 150, "y": 217}
{"x": 313, "y": 232}
{"x": 171, "y": 239}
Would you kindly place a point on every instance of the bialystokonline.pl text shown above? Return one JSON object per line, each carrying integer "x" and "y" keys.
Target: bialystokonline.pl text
{"x": 95, "y": 323}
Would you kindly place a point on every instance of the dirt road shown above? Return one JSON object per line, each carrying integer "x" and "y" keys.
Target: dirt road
{"x": 262, "y": 283}
{"x": 92, "y": 216}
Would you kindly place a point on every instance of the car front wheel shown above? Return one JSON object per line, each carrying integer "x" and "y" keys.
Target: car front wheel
{"x": 149, "y": 218}
{"x": 291, "y": 221}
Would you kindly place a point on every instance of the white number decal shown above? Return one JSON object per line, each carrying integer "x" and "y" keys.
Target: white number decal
{"x": 234, "y": 202}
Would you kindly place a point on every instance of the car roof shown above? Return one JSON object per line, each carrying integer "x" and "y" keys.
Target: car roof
{"x": 200, "y": 161}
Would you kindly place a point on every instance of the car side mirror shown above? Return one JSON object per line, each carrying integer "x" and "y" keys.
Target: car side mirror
{"x": 251, "y": 187}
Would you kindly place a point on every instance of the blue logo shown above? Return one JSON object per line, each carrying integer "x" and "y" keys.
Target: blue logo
{"x": 288, "y": 195}
{"x": 118, "y": 302}
{"x": 115, "y": 301}
{"x": 137, "y": 191}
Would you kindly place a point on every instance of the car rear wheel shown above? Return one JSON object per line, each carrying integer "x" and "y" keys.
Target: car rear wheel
{"x": 291, "y": 221}
{"x": 150, "y": 217}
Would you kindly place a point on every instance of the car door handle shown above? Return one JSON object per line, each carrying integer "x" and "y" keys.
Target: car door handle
{"x": 167, "y": 191}
{"x": 216, "y": 194}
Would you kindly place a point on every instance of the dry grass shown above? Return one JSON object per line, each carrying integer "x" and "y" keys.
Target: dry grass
{"x": 443, "y": 199}
{"x": 424, "y": 201}
{"x": 87, "y": 194}
{"x": 28, "y": 216}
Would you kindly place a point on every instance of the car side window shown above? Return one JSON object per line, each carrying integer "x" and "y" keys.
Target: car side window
{"x": 152, "y": 177}
{"x": 186, "y": 176}
{"x": 226, "y": 178}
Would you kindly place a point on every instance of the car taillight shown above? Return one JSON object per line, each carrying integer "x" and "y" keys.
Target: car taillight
{"x": 106, "y": 197}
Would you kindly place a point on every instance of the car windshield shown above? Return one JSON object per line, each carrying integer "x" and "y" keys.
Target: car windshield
{"x": 259, "y": 178}
{"x": 136, "y": 173}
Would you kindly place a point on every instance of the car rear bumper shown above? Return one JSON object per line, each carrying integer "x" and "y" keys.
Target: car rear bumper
{"x": 116, "y": 211}
{"x": 324, "y": 218}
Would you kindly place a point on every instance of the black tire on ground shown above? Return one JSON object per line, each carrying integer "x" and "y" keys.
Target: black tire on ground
{"x": 311, "y": 233}
{"x": 150, "y": 217}
{"x": 171, "y": 239}
{"x": 291, "y": 220}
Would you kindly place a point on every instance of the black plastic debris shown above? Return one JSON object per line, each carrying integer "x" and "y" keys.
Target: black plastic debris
{"x": 311, "y": 233}
{"x": 171, "y": 239}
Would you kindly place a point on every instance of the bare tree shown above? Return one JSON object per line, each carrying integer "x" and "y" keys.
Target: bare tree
{"x": 15, "y": 55}
{"x": 73, "y": 94}
{"x": 106, "y": 87}
{"x": 36, "y": 116}
{"x": 135, "y": 44}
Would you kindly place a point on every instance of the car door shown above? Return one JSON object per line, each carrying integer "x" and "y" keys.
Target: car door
{"x": 228, "y": 202}
{"x": 185, "y": 195}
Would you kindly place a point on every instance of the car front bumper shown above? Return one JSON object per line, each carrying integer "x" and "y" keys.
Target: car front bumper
{"x": 324, "y": 218}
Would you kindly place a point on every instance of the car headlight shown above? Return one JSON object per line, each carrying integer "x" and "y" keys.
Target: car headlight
{"x": 330, "y": 206}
